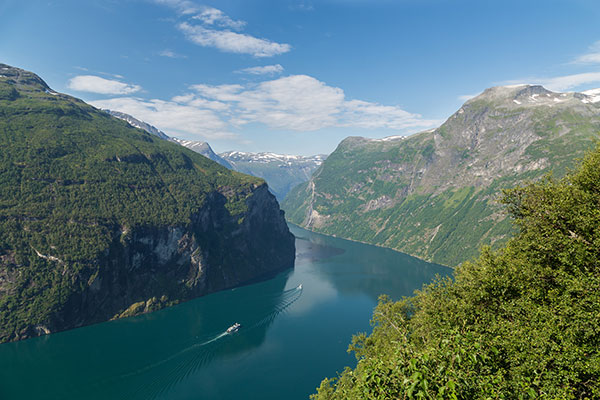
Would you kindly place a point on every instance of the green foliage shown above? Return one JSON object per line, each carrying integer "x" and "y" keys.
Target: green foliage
{"x": 72, "y": 178}
{"x": 518, "y": 323}
{"x": 434, "y": 195}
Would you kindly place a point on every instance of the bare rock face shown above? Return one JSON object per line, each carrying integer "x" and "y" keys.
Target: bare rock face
{"x": 148, "y": 268}
{"x": 100, "y": 220}
{"x": 435, "y": 194}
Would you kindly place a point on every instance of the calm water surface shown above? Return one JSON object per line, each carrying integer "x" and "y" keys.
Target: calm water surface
{"x": 291, "y": 338}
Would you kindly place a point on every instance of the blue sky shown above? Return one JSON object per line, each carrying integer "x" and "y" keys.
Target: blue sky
{"x": 297, "y": 76}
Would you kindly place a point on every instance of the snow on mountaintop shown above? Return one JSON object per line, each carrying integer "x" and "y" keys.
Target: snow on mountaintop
{"x": 268, "y": 157}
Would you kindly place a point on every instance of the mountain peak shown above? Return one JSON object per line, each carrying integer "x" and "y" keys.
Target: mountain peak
{"x": 23, "y": 80}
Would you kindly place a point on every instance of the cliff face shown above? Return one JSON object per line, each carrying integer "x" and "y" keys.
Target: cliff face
{"x": 99, "y": 220}
{"x": 435, "y": 194}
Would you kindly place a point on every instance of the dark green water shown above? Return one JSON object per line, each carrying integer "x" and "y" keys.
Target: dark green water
{"x": 290, "y": 338}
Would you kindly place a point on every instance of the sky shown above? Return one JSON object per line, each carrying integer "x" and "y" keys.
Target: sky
{"x": 298, "y": 76}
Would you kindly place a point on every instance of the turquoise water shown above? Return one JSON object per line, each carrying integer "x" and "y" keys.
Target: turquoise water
{"x": 290, "y": 339}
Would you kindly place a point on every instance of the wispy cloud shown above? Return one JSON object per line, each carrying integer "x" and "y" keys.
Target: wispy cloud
{"x": 263, "y": 70}
{"x": 591, "y": 57}
{"x": 96, "y": 84}
{"x": 213, "y": 16}
{"x": 183, "y": 7}
{"x": 211, "y": 27}
{"x": 303, "y": 103}
{"x": 172, "y": 117}
{"x": 171, "y": 54}
{"x": 302, "y": 6}
{"x": 466, "y": 97}
{"x": 561, "y": 83}
{"x": 232, "y": 42}
{"x": 296, "y": 103}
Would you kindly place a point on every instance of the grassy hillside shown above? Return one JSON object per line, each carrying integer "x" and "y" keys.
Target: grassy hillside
{"x": 518, "y": 323}
{"x": 434, "y": 194}
{"x": 73, "y": 182}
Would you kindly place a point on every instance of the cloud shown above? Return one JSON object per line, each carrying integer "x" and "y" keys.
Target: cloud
{"x": 171, "y": 54}
{"x": 171, "y": 116}
{"x": 211, "y": 27}
{"x": 232, "y": 42}
{"x": 303, "y": 103}
{"x": 466, "y": 97}
{"x": 302, "y": 7}
{"x": 264, "y": 70}
{"x": 291, "y": 103}
{"x": 561, "y": 83}
{"x": 591, "y": 57}
{"x": 213, "y": 16}
{"x": 96, "y": 84}
{"x": 184, "y": 7}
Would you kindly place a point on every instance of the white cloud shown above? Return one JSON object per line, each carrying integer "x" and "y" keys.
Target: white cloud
{"x": 215, "y": 30}
{"x": 296, "y": 102}
{"x": 213, "y": 16}
{"x": 466, "y": 97}
{"x": 184, "y": 7}
{"x": 303, "y": 103}
{"x": 263, "y": 70}
{"x": 171, "y": 54}
{"x": 96, "y": 84}
{"x": 561, "y": 83}
{"x": 171, "y": 117}
{"x": 232, "y": 42}
{"x": 591, "y": 57}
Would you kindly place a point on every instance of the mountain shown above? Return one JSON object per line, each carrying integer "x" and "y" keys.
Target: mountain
{"x": 139, "y": 124}
{"x": 517, "y": 323}
{"x": 282, "y": 172}
{"x": 434, "y": 194}
{"x": 204, "y": 149}
{"x": 100, "y": 220}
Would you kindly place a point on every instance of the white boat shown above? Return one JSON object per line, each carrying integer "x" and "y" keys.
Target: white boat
{"x": 300, "y": 286}
{"x": 234, "y": 328}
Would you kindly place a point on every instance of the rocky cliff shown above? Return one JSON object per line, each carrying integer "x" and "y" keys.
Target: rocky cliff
{"x": 99, "y": 220}
{"x": 434, "y": 194}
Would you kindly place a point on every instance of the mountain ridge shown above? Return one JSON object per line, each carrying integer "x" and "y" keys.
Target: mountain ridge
{"x": 100, "y": 220}
{"x": 433, "y": 194}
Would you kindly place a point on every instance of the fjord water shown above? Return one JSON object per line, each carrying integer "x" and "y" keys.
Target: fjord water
{"x": 290, "y": 338}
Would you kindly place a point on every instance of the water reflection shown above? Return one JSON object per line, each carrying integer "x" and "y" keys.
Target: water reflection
{"x": 290, "y": 339}
{"x": 357, "y": 268}
{"x": 143, "y": 357}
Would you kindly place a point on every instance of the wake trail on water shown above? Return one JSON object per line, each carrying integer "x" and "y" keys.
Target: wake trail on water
{"x": 196, "y": 355}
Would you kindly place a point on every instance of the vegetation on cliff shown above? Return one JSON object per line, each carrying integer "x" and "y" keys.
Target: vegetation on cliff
{"x": 76, "y": 182}
{"x": 518, "y": 323}
{"x": 434, "y": 194}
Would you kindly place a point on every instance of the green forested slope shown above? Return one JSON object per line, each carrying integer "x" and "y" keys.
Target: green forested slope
{"x": 434, "y": 194}
{"x": 77, "y": 184}
{"x": 519, "y": 323}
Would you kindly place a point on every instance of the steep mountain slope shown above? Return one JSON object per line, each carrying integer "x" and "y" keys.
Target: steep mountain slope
{"x": 100, "y": 220}
{"x": 204, "y": 149}
{"x": 433, "y": 194}
{"x": 282, "y": 172}
{"x": 139, "y": 124}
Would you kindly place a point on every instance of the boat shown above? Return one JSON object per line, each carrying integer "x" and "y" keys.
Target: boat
{"x": 300, "y": 286}
{"x": 234, "y": 328}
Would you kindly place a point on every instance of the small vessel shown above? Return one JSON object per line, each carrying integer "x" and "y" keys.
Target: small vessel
{"x": 234, "y": 328}
{"x": 300, "y": 286}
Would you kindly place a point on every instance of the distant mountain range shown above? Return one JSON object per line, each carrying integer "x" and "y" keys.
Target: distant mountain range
{"x": 282, "y": 172}
{"x": 204, "y": 149}
{"x": 435, "y": 194}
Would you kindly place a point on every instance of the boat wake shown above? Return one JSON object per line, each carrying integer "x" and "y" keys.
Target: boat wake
{"x": 200, "y": 351}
